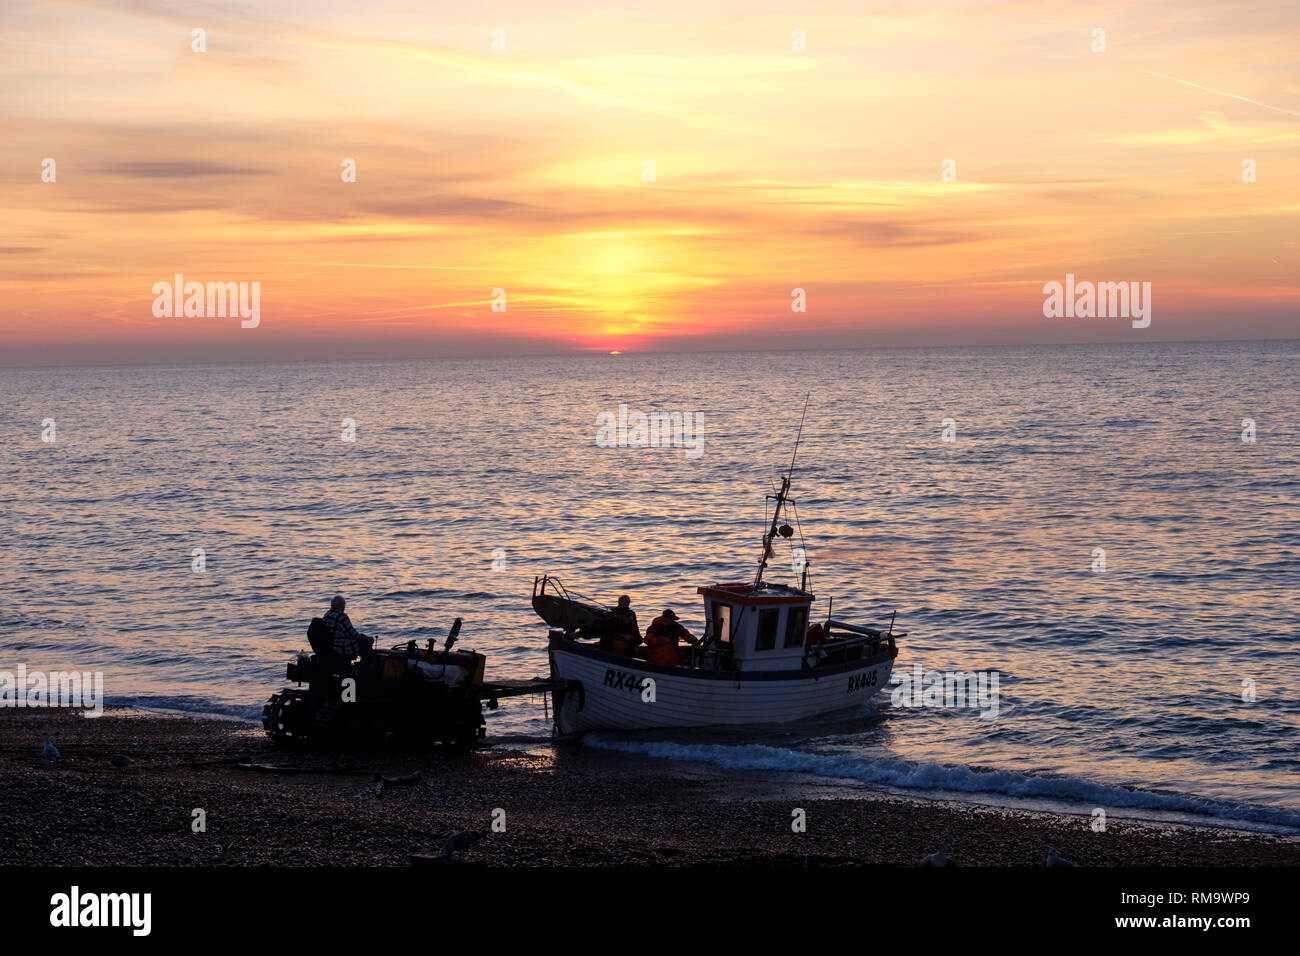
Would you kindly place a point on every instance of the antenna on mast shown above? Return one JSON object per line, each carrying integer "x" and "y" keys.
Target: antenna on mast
{"x": 799, "y": 435}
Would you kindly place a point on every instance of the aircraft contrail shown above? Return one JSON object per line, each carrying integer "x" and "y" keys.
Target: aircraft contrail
{"x": 1244, "y": 99}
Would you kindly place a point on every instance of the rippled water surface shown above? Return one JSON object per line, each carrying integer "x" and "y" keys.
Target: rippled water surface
{"x": 1111, "y": 682}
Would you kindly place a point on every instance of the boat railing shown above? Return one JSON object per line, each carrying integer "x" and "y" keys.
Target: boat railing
{"x": 859, "y": 629}
{"x": 841, "y": 647}
{"x": 542, "y": 580}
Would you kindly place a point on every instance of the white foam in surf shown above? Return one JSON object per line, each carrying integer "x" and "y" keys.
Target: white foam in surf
{"x": 188, "y": 706}
{"x": 913, "y": 775}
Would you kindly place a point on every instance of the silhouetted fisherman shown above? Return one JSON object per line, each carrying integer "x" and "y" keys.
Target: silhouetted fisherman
{"x": 347, "y": 640}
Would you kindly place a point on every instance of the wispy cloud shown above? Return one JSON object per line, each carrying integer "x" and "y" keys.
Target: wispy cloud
{"x": 178, "y": 169}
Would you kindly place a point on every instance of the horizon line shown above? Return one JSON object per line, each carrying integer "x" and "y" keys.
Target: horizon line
{"x": 607, "y": 353}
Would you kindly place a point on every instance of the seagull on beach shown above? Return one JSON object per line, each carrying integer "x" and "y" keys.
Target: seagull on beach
{"x": 937, "y": 858}
{"x": 50, "y": 752}
{"x": 1055, "y": 859}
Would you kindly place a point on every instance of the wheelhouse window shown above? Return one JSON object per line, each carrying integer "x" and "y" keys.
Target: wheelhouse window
{"x": 796, "y": 626}
{"x": 767, "y": 621}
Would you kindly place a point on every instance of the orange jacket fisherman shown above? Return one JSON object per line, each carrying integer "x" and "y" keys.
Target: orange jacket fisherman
{"x": 661, "y": 639}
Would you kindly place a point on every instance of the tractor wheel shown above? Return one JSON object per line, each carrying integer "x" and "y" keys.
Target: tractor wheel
{"x": 286, "y": 715}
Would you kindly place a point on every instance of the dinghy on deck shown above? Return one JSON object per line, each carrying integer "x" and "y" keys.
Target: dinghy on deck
{"x": 561, "y": 610}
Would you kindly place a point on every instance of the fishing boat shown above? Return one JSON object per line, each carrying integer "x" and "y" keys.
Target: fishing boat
{"x": 761, "y": 659}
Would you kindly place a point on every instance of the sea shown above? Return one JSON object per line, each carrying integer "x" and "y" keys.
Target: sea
{"x": 1110, "y": 530}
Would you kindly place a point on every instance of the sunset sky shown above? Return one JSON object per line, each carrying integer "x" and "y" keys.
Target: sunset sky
{"x": 523, "y": 170}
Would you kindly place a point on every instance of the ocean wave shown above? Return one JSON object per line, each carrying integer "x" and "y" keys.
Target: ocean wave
{"x": 190, "y": 706}
{"x": 914, "y": 775}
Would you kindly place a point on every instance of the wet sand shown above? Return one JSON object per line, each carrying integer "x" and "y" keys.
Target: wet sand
{"x": 563, "y": 805}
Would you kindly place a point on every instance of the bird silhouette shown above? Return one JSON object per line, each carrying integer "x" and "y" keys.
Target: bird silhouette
{"x": 50, "y": 752}
{"x": 938, "y": 858}
{"x": 1055, "y": 859}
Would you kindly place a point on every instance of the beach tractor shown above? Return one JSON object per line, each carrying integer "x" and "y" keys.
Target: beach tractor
{"x": 406, "y": 696}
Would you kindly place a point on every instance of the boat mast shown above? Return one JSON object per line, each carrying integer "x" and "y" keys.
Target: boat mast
{"x": 781, "y": 497}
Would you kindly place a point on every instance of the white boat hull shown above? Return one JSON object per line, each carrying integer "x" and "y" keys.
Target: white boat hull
{"x": 614, "y": 695}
